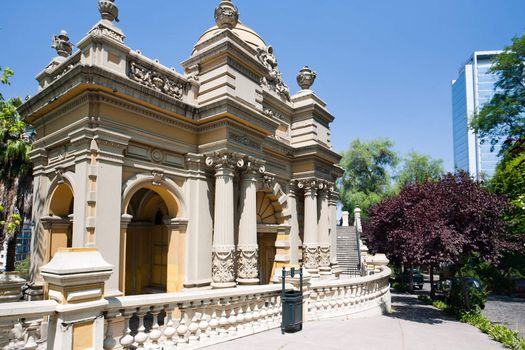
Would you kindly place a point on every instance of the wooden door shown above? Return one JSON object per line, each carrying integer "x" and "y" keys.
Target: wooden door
{"x": 267, "y": 251}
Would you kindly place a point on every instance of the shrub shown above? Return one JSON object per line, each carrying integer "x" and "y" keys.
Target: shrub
{"x": 440, "y": 305}
{"x": 466, "y": 299}
{"x": 498, "y": 332}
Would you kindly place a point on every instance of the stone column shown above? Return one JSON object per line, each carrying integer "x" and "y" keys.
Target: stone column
{"x": 332, "y": 205}
{"x": 295, "y": 240}
{"x": 223, "y": 273}
{"x": 310, "y": 243}
{"x": 247, "y": 249}
{"x": 323, "y": 232}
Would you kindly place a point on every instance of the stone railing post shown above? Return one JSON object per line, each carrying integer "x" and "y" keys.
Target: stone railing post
{"x": 345, "y": 218}
{"x": 75, "y": 278}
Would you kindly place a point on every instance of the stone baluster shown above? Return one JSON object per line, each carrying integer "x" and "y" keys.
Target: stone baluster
{"x": 247, "y": 248}
{"x": 182, "y": 329}
{"x": 232, "y": 319}
{"x": 193, "y": 327}
{"x": 318, "y": 301}
{"x": 169, "y": 329}
{"x": 214, "y": 321}
{"x": 223, "y": 320}
{"x": 340, "y": 297}
{"x": 155, "y": 333}
{"x": 333, "y": 298}
{"x": 310, "y": 242}
{"x": 263, "y": 312}
{"x": 204, "y": 323}
{"x": 30, "y": 337}
{"x": 109, "y": 339}
{"x": 127, "y": 339}
{"x": 248, "y": 315}
{"x": 240, "y": 315}
{"x": 223, "y": 274}
{"x": 141, "y": 337}
{"x": 256, "y": 315}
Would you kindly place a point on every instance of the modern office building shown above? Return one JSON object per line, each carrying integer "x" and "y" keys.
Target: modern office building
{"x": 470, "y": 91}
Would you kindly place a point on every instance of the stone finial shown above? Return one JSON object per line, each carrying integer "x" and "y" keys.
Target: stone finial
{"x": 108, "y": 10}
{"x": 226, "y": 15}
{"x": 306, "y": 78}
{"x": 62, "y": 44}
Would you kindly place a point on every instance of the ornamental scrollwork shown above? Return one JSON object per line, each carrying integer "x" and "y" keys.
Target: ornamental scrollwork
{"x": 311, "y": 257}
{"x": 274, "y": 81}
{"x": 222, "y": 266}
{"x": 324, "y": 256}
{"x": 156, "y": 80}
{"x": 247, "y": 260}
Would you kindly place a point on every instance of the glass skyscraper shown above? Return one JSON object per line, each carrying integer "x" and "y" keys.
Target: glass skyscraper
{"x": 470, "y": 91}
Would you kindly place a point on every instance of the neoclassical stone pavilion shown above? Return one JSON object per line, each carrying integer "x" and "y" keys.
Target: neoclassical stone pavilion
{"x": 215, "y": 175}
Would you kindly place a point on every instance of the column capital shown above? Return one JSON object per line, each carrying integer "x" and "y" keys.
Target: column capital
{"x": 225, "y": 160}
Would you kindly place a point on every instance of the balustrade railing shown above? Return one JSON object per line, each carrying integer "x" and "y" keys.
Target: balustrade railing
{"x": 193, "y": 319}
{"x": 347, "y": 297}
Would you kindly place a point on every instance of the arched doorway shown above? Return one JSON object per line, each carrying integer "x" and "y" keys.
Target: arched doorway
{"x": 153, "y": 248}
{"x": 269, "y": 217}
{"x": 58, "y": 223}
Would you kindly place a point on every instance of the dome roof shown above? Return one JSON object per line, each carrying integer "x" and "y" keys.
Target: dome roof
{"x": 245, "y": 33}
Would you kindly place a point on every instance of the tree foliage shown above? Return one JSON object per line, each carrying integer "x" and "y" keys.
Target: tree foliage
{"x": 430, "y": 223}
{"x": 15, "y": 166}
{"x": 419, "y": 168}
{"x": 503, "y": 116}
{"x": 367, "y": 178}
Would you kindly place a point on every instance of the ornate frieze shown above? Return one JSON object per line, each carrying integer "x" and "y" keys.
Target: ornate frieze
{"x": 245, "y": 141}
{"x": 275, "y": 79}
{"x": 156, "y": 80}
{"x": 222, "y": 265}
{"x": 247, "y": 258}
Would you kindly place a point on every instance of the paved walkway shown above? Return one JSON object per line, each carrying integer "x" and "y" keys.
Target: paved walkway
{"x": 411, "y": 326}
{"x": 507, "y": 311}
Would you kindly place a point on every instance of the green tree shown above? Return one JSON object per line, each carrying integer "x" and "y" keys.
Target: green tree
{"x": 368, "y": 167}
{"x": 419, "y": 168}
{"x": 503, "y": 116}
{"x": 15, "y": 166}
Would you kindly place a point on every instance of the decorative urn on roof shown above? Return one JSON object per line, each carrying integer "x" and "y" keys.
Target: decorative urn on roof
{"x": 306, "y": 78}
{"x": 108, "y": 10}
{"x": 62, "y": 44}
{"x": 226, "y": 15}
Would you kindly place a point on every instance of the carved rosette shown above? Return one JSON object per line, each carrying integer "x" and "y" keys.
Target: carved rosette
{"x": 222, "y": 265}
{"x": 247, "y": 259}
{"x": 226, "y": 15}
{"x": 311, "y": 257}
{"x": 324, "y": 256}
{"x": 306, "y": 78}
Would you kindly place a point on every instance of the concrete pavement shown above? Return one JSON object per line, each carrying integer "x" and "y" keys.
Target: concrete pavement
{"x": 412, "y": 326}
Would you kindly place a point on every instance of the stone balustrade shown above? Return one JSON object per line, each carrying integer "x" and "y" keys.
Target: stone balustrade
{"x": 350, "y": 298}
{"x": 192, "y": 319}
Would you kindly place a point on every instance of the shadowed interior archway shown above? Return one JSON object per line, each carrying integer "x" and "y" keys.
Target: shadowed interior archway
{"x": 58, "y": 223}
{"x": 154, "y": 250}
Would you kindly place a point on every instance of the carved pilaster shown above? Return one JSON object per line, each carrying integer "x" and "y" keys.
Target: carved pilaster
{"x": 311, "y": 258}
{"x": 247, "y": 258}
{"x": 311, "y": 239}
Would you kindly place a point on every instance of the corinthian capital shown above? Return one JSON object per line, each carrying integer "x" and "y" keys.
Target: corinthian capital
{"x": 221, "y": 159}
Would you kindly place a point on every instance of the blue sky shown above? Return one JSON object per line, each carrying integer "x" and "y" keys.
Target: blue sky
{"x": 384, "y": 67}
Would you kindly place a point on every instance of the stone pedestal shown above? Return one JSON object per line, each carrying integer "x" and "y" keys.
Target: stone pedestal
{"x": 11, "y": 287}
{"x": 77, "y": 276}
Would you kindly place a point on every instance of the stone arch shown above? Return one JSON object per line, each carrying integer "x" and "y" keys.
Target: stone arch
{"x": 153, "y": 235}
{"x": 167, "y": 189}
{"x": 57, "y": 219}
{"x": 271, "y": 201}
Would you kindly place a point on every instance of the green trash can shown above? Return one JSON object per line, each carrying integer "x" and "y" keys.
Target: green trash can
{"x": 292, "y": 302}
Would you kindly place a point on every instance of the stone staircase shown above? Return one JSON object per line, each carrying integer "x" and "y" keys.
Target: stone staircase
{"x": 347, "y": 250}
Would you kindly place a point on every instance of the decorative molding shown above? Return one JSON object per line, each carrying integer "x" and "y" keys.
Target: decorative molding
{"x": 247, "y": 258}
{"x": 222, "y": 265}
{"x": 156, "y": 80}
{"x": 311, "y": 257}
{"x": 243, "y": 140}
